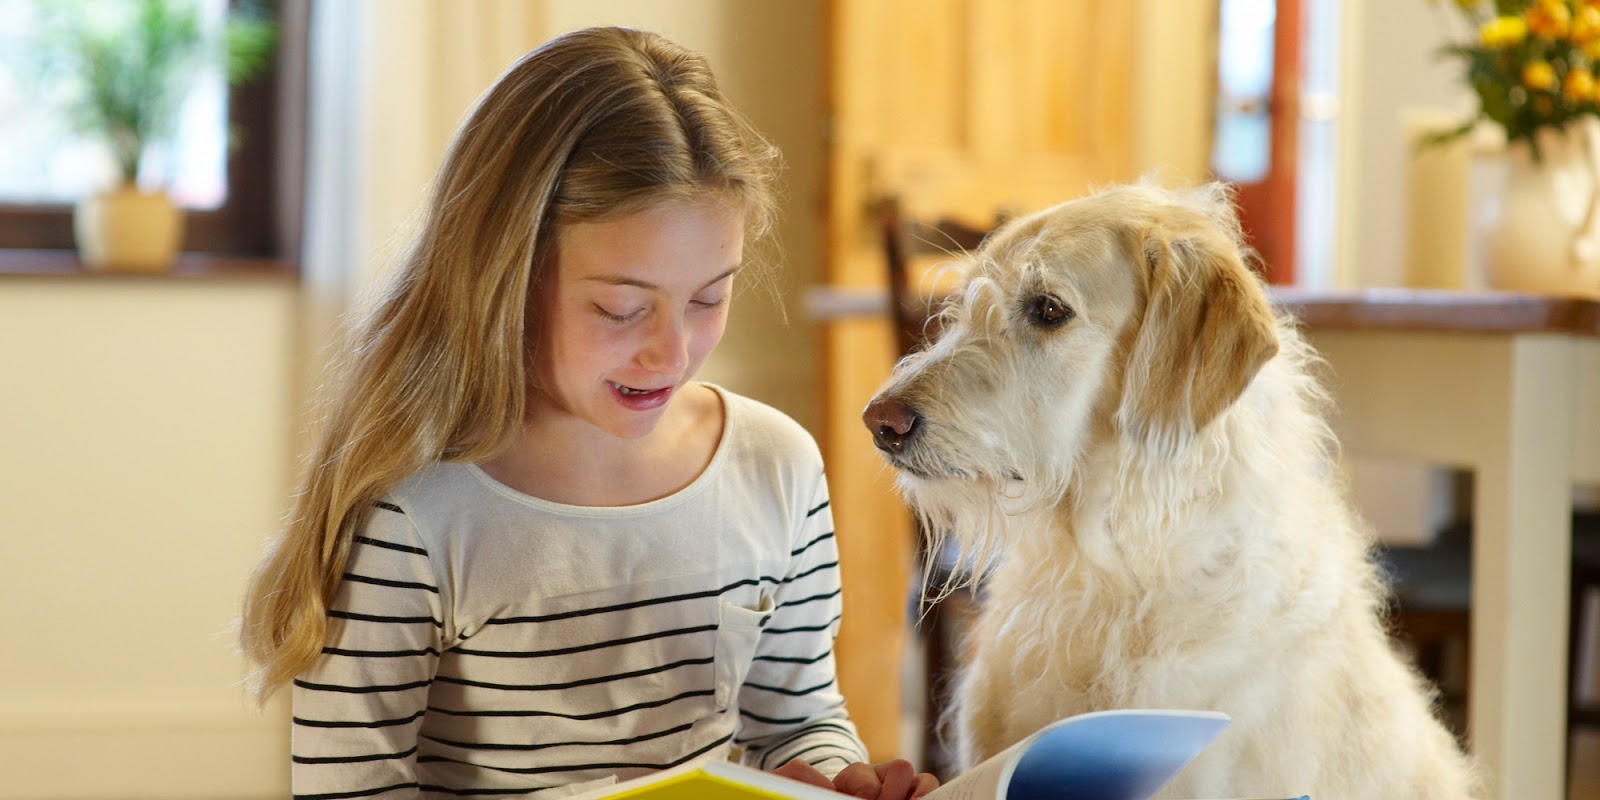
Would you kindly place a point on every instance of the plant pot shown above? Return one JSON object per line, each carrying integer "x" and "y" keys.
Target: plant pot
{"x": 1543, "y": 232}
{"x": 127, "y": 230}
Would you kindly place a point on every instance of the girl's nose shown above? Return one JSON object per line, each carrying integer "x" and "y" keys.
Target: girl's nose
{"x": 667, "y": 349}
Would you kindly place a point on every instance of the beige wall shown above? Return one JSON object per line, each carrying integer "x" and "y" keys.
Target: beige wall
{"x": 144, "y": 455}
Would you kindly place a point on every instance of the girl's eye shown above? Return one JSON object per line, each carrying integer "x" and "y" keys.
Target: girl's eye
{"x": 602, "y": 311}
{"x": 722, "y": 298}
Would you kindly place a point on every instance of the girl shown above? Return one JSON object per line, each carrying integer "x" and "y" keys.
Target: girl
{"x": 531, "y": 556}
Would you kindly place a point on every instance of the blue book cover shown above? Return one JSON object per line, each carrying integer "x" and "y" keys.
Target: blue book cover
{"x": 1104, "y": 755}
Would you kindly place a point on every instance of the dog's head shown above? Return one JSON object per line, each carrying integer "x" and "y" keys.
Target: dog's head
{"x": 1128, "y": 313}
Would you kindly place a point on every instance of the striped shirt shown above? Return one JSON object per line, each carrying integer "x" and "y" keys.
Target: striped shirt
{"x": 486, "y": 643}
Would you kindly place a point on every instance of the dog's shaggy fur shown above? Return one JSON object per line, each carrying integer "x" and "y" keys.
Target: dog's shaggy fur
{"x": 1116, "y": 423}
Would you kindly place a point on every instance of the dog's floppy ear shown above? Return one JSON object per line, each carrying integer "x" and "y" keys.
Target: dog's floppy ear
{"x": 1207, "y": 329}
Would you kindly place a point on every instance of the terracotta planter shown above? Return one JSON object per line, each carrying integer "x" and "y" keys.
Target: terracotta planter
{"x": 127, "y": 230}
{"x": 1544, "y": 237}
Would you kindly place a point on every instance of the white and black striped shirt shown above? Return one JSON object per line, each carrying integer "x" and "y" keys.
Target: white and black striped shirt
{"x": 486, "y": 643}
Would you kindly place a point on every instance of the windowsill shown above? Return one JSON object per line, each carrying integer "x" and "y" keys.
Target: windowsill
{"x": 190, "y": 266}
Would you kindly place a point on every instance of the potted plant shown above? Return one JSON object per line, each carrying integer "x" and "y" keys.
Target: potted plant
{"x": 123, "y": 69}
{"x": 1532, "y": 66}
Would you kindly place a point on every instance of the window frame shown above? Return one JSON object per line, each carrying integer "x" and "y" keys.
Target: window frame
{"x": 261, "y": 215}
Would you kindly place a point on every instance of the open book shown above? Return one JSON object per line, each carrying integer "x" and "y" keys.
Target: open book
{"x": 1102, "y": 755}
{"x": 1105, "y": 755}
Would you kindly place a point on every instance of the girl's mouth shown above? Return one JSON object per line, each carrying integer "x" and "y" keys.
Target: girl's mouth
{"x": 639, "y": 399}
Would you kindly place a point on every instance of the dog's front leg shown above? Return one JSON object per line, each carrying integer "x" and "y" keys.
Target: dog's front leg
{"x": 979, "y": 714}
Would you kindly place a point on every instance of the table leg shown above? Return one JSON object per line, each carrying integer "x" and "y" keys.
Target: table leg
{"x": 1521, "y": 557}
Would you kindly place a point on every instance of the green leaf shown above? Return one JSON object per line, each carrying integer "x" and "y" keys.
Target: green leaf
{"x": 123, "y": 67}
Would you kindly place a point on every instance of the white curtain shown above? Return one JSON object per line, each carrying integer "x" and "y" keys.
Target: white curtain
{"x": 390, "y": 81}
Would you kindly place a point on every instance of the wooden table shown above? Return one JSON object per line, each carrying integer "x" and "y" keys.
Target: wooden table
{"x": 1507, "y": 386}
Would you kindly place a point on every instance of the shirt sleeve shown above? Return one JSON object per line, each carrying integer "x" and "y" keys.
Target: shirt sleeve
{"x": 358, "y": 708}
{"x": 790, "y": 706}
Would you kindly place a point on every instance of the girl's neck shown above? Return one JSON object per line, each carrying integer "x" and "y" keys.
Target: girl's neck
{"x": 562, "y": 459}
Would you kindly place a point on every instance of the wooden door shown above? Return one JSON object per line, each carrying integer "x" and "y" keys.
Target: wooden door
{"x": 1266, "y": 200}
{"x": 956, "y": 107}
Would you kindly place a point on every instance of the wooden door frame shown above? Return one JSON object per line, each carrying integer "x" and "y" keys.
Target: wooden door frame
{"x": 1267, "y": 208}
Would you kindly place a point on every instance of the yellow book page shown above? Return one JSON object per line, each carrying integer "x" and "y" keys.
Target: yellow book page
{"x": 697, "y": 786}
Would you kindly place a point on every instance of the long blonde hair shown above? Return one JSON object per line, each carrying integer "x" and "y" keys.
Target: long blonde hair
{"x": 594, "y": 125}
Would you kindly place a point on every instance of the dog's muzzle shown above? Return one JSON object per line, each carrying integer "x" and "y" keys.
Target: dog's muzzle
{"x": 893, "y": 424}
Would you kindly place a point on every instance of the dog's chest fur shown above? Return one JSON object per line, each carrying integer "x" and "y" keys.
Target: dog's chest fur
{"x": 1091, "y": 624}
{"x": 1256, "y": 604}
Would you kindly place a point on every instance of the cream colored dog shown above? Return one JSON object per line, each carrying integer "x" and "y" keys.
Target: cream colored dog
{"x": 1115, "y": 421}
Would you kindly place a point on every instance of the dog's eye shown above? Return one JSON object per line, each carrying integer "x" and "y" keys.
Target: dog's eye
{"x": 1049, "y": 312}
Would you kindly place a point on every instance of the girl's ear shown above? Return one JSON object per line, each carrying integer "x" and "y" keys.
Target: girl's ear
{"x": 1207, "y": 329}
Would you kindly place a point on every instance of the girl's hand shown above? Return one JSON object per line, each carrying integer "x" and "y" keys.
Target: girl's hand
{"x": 890, "y": 780}
{"x": 804, "y": 773}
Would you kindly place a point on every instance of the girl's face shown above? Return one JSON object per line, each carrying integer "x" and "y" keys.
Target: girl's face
{"x": 637, "y": 305}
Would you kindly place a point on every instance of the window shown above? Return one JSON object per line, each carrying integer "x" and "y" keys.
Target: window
{"x": 241, "y": 201}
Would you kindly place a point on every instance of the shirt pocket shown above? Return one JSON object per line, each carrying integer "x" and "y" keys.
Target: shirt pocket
{"x": 738, "y": 633}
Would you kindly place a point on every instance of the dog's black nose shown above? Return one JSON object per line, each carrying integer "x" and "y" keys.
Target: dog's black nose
{"x": 892, "y": 423}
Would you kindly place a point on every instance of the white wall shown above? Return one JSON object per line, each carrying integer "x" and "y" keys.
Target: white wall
{"x": 1390, "y": 68}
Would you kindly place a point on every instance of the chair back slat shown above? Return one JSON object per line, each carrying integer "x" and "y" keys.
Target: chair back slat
{"x": 905, "y": 239}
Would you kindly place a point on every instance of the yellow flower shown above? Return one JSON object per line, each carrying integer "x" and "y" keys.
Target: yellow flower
{"x": 1503, "y": 31}
{"x": 1579, "y": 85}
{"x": 1586, "y": 25}
{"x": 1533, "y": 64}
{"x": 1549, "y": 19}
{"x": 1539, "y": 75}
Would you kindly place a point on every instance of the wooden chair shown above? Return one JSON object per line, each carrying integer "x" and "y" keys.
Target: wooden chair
{"x": 905, "y": 239}
{"x": 1582, "y": 713}
{"x": 940, "y": 624}
{"x": 1432, "y": 593}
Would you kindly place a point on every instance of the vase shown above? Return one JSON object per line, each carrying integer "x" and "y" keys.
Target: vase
{"x": 1542, "y": 234}
{"x": 127, "y": 230}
